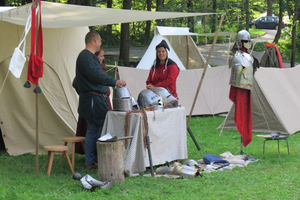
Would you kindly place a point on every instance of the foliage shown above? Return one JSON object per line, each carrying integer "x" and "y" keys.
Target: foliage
{"x": 234, "y": 20}
{"x": 271, "y": 177}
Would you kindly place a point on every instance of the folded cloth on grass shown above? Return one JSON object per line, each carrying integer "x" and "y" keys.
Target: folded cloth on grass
{"x": 234, "y": 160}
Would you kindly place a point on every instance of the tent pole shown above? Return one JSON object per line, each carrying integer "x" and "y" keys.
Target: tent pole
{"x": 37, "y": 137}
{"x": 34, "y": 4}
{"x": 205, "y": 68}
{"x": 187, "y": 52}
{"x": 242, "y": 146}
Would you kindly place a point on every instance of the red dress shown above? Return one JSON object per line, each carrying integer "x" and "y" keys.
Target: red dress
{"x": 164, "y": 77}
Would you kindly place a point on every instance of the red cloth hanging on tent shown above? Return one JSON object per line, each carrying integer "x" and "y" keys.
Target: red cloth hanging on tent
{"x": 35, "y": 63}
{"x": 278, "y": 54}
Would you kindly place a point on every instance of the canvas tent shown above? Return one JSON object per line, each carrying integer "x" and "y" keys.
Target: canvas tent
{"x": 212, "y": 98}
{"x": 64, "y": 28}
{"x": 275, "y": 102}
{"x": 183, "y": 49}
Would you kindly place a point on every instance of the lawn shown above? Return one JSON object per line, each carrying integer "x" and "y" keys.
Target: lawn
{"x": 272, "y": 177}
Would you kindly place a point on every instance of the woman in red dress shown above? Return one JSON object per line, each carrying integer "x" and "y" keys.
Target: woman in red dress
{"x": 164, "y": 71}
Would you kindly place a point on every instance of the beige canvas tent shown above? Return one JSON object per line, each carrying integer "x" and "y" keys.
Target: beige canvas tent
{"x": 64, "y": 28}
{"x": 57, "y": 103}
{"x": 183, "y": 49}
{"x": 212, "y": 98}
{"x": 275, "y": 102}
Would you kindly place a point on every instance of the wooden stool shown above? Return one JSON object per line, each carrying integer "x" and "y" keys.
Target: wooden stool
{"x": 73, "y": 140}
{"x": 56, "y": 148}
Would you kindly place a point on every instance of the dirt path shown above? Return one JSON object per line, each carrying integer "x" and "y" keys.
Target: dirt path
{"x": 218, "y": 57}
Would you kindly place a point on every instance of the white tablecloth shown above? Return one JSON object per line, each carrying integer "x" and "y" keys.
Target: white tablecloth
{"x": 167, "y": 132}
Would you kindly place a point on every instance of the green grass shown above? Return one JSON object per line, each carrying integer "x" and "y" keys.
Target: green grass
{"x": 272, "y": 177}
{"x": 256, "y": 32}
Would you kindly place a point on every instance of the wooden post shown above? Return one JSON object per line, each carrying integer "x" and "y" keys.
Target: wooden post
{"x": 204, "y": 70}
{"x": 111, "y": 157}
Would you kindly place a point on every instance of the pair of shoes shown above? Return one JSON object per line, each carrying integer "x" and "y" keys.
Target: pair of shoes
{"x": 93, "y": 166}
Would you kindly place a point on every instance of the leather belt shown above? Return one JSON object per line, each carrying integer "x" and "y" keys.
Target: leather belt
{"x": 99, "y": 94}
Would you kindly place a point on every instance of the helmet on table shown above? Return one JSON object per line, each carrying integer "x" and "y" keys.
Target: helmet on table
{"x": 149, "y": 98}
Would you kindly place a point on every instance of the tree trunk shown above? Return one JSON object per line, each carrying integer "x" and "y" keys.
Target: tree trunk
{"x": 278, "y": 33}
{"x": 294, "y": 36}
{"x": 247, "y": 14}
{"x": 2, "y": 3}
{"x": 213, "y": 19}
{"x": 190, "y": 19}
{"x": 111, "y": 156}
{"x": 109, "y": 5}
{"x": 76, "y": 2}
{"x": 159, "y": 5}
{"x": 124, "y": 46}
{"x": 148, "y": 23}
{"x": 269, "y": 7}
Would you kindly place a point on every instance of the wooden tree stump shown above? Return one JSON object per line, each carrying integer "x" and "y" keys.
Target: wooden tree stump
{"x": 111, "y": 156}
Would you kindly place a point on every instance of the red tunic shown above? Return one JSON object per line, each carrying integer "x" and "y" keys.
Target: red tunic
{"x": 166, "y": 79}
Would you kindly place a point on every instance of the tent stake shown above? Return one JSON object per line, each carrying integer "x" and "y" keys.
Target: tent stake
{"x": 205, "y": 68}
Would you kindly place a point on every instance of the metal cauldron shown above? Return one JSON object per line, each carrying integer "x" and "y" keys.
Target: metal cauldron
{"x": 122, "y": 100}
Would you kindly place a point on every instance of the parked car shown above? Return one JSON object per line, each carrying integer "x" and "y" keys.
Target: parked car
{"x": 267, "y": 22}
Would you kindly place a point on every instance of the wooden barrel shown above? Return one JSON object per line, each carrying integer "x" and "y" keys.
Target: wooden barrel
{"x": 111, "y": 157}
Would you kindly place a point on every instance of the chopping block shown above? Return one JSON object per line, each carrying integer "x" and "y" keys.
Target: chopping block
{"x": 111, "y": 157}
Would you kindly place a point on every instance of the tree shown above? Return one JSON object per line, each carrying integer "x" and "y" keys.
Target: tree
{"x": 270, "y": 8}
{"x": 190, "y": 19}
{"x": 2, "y": 3}
{"x": 247, "y": 14}
{"x": 213, "y": 19}
{"x": 159, "y": 5}
{"x": 278, "y": 33}
{"x": 124, "y": 43}
{"x": 148, "y": 23}
{"x": 295, "y": 17}
{"x": 109, "y": 27}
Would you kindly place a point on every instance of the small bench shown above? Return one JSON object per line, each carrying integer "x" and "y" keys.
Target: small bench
{"x": 275, "y": 136}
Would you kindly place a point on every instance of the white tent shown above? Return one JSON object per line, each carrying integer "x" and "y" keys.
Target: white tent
{"x": 64, "y": 28}
{"x": 275, "y": 101}
{"x": 183, "y": 49}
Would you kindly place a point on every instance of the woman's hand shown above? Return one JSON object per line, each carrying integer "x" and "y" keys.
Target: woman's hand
{"x": 149, "y": 86}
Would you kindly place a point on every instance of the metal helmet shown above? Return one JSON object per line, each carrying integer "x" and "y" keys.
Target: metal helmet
{"x": 122, "y": 100}
{"x": 148, "y": 98}
{"x": 167, "y": 98}
{"x": 245, "y": 36}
